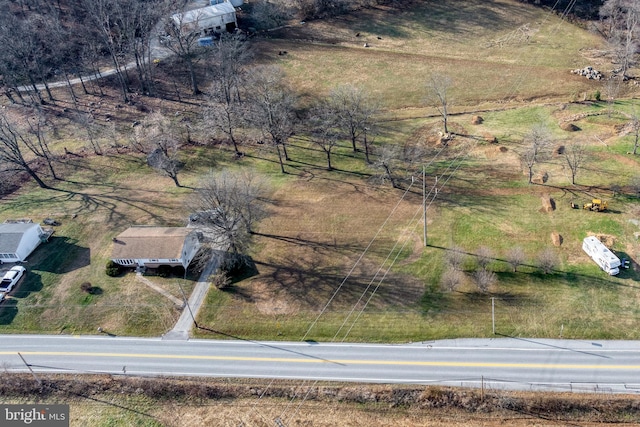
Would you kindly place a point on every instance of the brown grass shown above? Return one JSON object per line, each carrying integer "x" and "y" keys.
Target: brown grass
{"x": 205, "y": 401}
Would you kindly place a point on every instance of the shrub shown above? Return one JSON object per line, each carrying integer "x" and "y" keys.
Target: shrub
{"x": 113, "y": 269}
{"x": 86, "y": 287}
{"x": 597, "y": 96}
{"x": 221, "y": 280}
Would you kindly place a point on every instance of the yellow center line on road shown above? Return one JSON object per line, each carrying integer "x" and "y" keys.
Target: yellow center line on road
{"x": 336, "y": 361}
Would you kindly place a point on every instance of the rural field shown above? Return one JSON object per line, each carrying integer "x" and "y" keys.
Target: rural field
{"x": 340, "y": 255}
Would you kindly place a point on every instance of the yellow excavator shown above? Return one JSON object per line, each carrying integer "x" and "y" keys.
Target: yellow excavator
{"x": 596, "y": 205}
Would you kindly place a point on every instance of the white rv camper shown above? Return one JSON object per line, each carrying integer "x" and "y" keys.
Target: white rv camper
{"x": 601, "y": 255}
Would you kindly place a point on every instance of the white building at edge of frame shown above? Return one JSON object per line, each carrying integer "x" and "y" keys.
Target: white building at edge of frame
{"x": 18, "y": 240}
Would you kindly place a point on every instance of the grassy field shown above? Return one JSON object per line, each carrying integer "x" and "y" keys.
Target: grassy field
{"x": 340, "y": 256}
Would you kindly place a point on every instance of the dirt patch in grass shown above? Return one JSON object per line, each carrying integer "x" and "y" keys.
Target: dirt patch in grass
{"x": 269, "y": 301}
{"x": 606, "y": 239}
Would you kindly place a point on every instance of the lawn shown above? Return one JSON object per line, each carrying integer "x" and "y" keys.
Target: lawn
{"x": 340, "y": 255}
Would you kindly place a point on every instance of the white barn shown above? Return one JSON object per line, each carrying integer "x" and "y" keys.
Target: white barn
{"x": 143, "y": 246}
{"x": 207, "y": 20}
{"x": 18, "y": 240}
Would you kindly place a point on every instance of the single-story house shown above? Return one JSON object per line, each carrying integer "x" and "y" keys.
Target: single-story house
{"x": 19, "y": 239}
{"x": 144, "y": 246}
{"x": 207, "y": 20}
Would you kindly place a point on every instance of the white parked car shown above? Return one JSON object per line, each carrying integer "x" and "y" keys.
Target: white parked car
{"x": 10, "y": 279}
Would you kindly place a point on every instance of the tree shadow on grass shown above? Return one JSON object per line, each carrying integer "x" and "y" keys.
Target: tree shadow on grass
{"x": 31, "y": 283}
{"x": 8, "y": 311}
{"x": 60, "y": 255}
{"x": 91, "y": 203}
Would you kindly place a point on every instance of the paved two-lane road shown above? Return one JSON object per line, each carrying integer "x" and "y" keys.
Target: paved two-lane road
{"x": 507, "y": 363}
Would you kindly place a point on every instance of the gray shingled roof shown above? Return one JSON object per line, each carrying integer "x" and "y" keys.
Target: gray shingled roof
{"x": 150, "y": 243}
{"x": 11, "y": 234}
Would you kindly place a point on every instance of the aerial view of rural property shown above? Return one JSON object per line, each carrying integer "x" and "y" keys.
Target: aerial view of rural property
{"x": 319, "y": 213}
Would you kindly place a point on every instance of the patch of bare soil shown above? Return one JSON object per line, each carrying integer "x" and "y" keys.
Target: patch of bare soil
{"x": 569, "y": 127}
{"x": 607, "y": 239}
{"x": 271, "y": 302}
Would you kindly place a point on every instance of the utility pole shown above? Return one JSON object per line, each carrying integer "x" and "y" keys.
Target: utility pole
{"x": 424, "y": 206}
{"x": 493, "y": 314}
{"x": 30, "y": 370}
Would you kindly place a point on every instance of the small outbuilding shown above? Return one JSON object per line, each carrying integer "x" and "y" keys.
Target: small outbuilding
{"x": 207, "y": 20}
{"x": 19, "y": 239}
{"x": 145, "y": 246}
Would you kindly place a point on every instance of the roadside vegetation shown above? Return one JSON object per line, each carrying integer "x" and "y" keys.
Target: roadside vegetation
{"x": 107, "y": 400}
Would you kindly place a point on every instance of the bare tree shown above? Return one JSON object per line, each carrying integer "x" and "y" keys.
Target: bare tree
{"x": 86, "y": 121}
{"x": 268, "y": 14}
{"x": 38, "y": 142}
{"x": 484, "y": 256}
{"x": 166, "y": 162}
{"x": 438, "y": 96}
{"x": 536, "y": 146}
{"x": 611, "y": 92}
{"x": 387, "y": 160}
{"x": 327, "y": 139}
{"x": 451, "y": 279}
{"x": 455, "y": 257}
{"x": 225, "y": 118}
{"x": 635, "y": 132}
{"x": 368, "y": 136}
{"x": 484, "y": 279}
{"x": 103, "y": 15}
{"x": 575, "y": 155}
{"x": 13, "y": 144}
{"x": 230, "y": 55}
{"x": 225, "y": 109}
{"x": 19, "y": 48}
{"x": 272, "y": 107}
{"x": 353, "y": 110}
{"x": 182, "y": 39}
{"x": 163, "y": 145}
{"x": 621, "y": 20}
{"x": 515, "y": 257}
{"x": 324, "y": 128}
{"x": 226, "y": 206}
{"x": 547, "y": 260}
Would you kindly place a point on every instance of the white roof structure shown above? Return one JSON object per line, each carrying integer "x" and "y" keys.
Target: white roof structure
{"x": 206, "y": 17}
{"x": 18, "y": 240}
